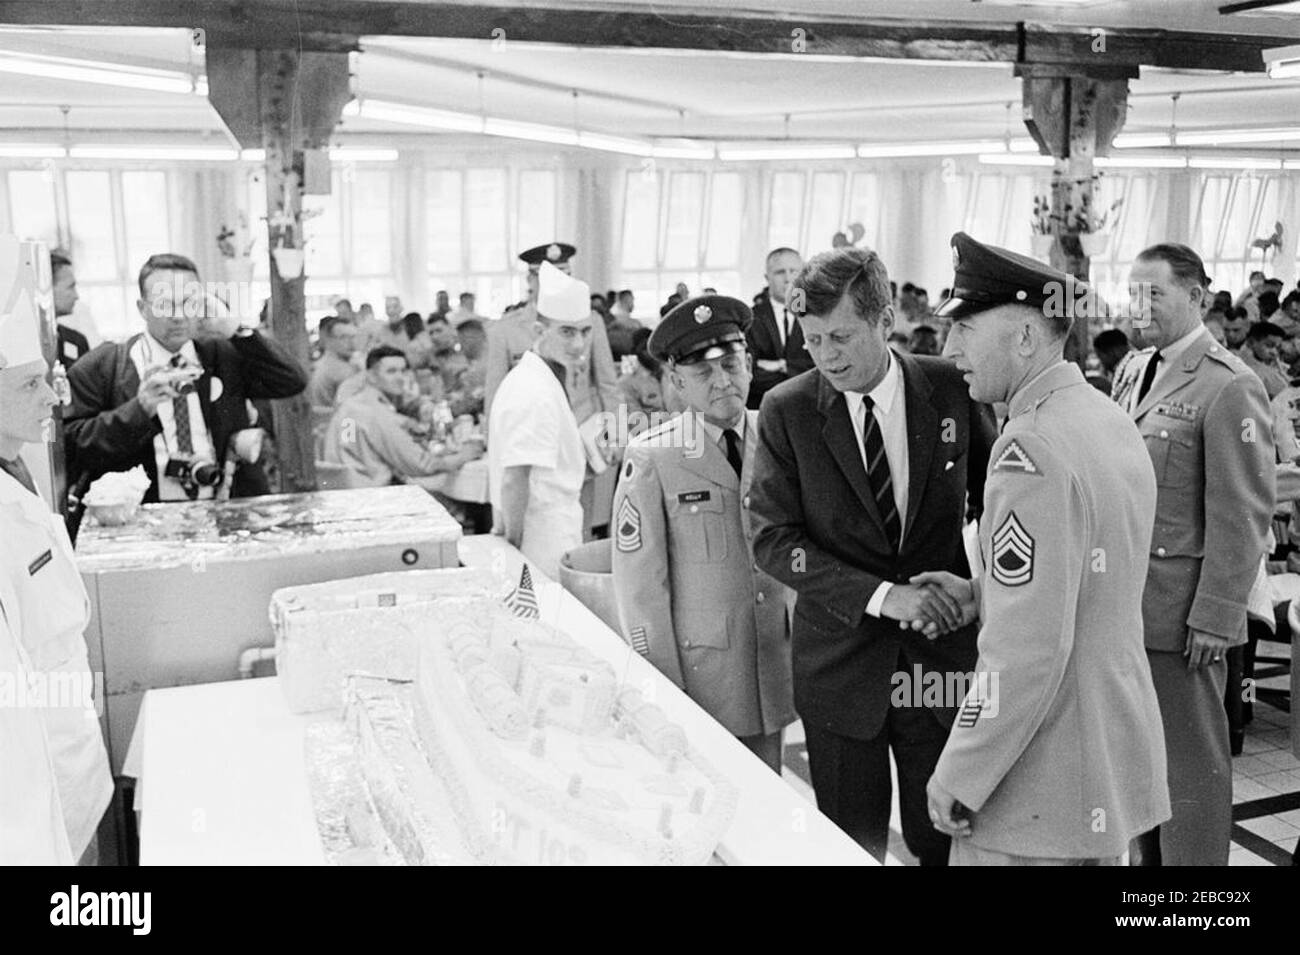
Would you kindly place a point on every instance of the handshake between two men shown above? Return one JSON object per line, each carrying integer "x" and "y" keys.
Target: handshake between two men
{"x": 935, "y": 603}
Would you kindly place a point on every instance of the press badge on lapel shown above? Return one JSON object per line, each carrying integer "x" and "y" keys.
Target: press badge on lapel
{"x": 39, "y": 562}
{"x": 690, "y": 497}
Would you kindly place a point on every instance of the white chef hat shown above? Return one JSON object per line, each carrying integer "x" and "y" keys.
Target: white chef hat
{"x": 20, "y": 337}
{"x": 561, "y": 297}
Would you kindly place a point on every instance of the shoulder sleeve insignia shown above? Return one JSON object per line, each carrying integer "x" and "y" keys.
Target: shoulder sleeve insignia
{"x": 639, "y": 642}
{"x": 629, "y": 527}
{"x": 1014, "y": 458}
{"x": 1013, "y": 553}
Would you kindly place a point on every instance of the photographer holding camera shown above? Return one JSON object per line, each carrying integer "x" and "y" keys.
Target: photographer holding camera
{"x": 170, "y": 399}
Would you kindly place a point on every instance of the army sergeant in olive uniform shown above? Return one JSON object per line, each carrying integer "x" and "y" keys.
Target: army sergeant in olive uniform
{"x": 691, "y": 599}
{"x": 1205, "y": 418}
{"x": 1062, "y": 760}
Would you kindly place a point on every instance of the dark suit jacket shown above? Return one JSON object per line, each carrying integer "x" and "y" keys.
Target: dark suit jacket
{"x": 817, "y": 530}
{"x": 106, "y": 429}
{"x": 765, "y": 343}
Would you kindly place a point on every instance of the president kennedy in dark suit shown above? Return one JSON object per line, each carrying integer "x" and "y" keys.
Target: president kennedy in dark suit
{"x": 862, "y": 477}
{"x": 775, "y": 338}
{"x": 167, "y": 395}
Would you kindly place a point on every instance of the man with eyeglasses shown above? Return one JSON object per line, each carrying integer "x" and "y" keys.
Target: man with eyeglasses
{"x": 172, "y": 398}
{"x": 691, "y": 599}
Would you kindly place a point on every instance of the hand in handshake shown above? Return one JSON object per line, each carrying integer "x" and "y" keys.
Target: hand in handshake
{"x": 935, "y": 603}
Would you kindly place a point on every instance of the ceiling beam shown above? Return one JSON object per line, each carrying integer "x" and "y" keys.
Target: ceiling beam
{"x": 334, "y": 25}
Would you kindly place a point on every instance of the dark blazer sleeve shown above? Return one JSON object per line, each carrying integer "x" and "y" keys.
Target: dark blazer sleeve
{"x": 104, "y": 434}
{"x": 266, "y": 366}
{"x": 782, "y": 546}
{"x": 983, "y": 433}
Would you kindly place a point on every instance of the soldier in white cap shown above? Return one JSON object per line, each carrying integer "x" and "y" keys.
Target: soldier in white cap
{"x": 536, "y": 460}
{"x": 54, "y": 768}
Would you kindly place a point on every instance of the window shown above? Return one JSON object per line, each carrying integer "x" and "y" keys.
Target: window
{"x": 680, "y": 226}
{"x": 825, "y": 212}
{"x": 32, "y": 209}
{"x": 785, "y": 220}
{"x": 1232, "y": 213}
{"x": 477, "y": 221}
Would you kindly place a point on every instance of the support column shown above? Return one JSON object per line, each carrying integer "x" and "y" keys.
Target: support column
{"x": 287, "y": 102}
{"x": 1074, "y": 118}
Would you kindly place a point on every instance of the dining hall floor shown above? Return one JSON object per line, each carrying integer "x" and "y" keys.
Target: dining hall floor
{"x": 1266, "y": 776}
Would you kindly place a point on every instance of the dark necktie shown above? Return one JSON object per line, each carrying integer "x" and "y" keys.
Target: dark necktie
{"x": 878, "y": 474}
{"x": 1148, "y": 376}
{"x": 785, "y": 326}
{"x": 181, "y": 412}
{"x": 733, "y": 451}
{"x": 17, "y": 470}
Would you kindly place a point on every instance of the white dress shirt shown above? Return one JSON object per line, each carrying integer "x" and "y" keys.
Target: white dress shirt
{"x": 890, "y": 410}
{"x": 147, "y": 353}
{"x": 781, "y": 313}
{"x": 715, "y": 433}
{"x": 1170, "y": 354}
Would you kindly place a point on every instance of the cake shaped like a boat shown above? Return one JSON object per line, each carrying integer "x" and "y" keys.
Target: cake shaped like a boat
{"x": 542, "y": 756}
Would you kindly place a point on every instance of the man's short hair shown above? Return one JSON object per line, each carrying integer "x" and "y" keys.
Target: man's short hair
{"x": 622, "y": 292}
{"x": 1186, "y": 265}
{"x": 380, "y": 352}
{"x": 342, "y": 301}
{"x": 924, "y": 330}
{"x": 466, "y": 296}
{"x": 331, "y": 322}
{"x": 471, "y": 325}
{"x": 1262, "y": 330}
{"x": 1268, "y": 304}
{"x": 1274, "y": 283}
{"x": 164, "y": 262}
{"x": 1256, "y": 272}
{"x": 59, "y": 261}
{"x": 828, "y": 276}
{"x": 412, "y": 324}
{"x": 1112, "y": 339}
{"x": 778, "y": 251}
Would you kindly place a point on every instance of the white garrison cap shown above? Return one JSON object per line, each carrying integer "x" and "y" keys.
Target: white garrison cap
{"x": 561, "y": 297}
{"x": 20, "y": 339}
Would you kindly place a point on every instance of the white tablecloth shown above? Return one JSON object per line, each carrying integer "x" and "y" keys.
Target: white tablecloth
{"x": 224, "y": 781}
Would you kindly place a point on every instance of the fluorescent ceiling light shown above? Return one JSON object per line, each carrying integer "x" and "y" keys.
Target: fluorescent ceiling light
{"x": 1228, "y": 137}
{"x": 615, "y": 144}
{"x": 1291, "y": 164}
{"x": 415, "y": 116}
{"x": 1024, "y": 145}
{"x": 181, "y": 153}
{"x": 1282, "y": 63}
{"x": 534, "y": 132}
{"x": 358, "y": 154}
{"x": 900, "y": 150}
{"x": 793, "y": 151}
{"x": 1140, "y": 140}
{"x": 1141, "y": 162}
{"x": 1232, "y": 162}
{"x": 103, "y": 74}
{"x": 33, "y": 151}
{"x": 683, "y": 152}
{"x": 1014, "y": 159}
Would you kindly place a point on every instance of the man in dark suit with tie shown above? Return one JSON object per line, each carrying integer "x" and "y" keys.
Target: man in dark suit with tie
{"x": 775, "y": 338}
{"x": 170, "y": 401}
{"x": 862, "y": 477}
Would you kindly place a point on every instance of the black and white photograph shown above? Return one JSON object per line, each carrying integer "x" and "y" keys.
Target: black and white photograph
{"x": 626, "y": 433}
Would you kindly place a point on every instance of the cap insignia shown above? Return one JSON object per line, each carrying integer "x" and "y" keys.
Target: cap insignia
{"x": 1021, "y": 295}
{"x": 553, "y": 252}
{"x": 703, "y": 313}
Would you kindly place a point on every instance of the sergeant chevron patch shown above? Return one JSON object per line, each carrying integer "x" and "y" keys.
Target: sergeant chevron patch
{"x": 1013, "y": 553}
{"x": 969, "y": 713}
{"x": 639, "y": 642}
{"x": 629, "y": 527}
{"x": 1014, "y": 458}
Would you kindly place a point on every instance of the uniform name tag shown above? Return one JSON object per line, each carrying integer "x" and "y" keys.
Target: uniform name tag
{"x": 690, "y": 497}
{"x": 38, "y": 563}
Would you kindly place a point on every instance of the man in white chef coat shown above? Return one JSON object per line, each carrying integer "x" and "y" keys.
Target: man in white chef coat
{"x": 536, "y": 460}
{"x": 45, "y": 611}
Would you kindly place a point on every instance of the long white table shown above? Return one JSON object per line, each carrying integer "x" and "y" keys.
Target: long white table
{"x": 224, "y": 778}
